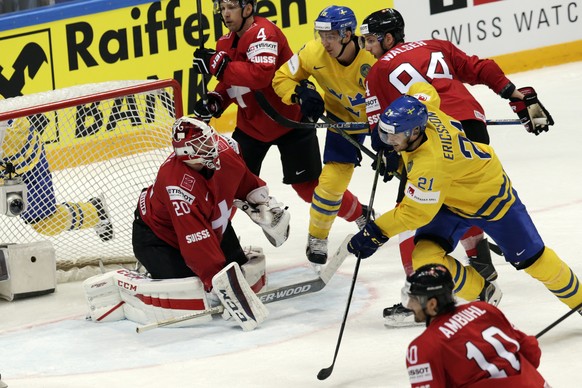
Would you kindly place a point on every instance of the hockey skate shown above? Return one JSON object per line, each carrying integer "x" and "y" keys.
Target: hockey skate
{"x": 491, "y": 293}
{"x": 482, "y": 262}
{"x": 361, "y": 220}
{"x": 399, "y": 316}
{"x": 316, "y": 251}
{"x": 104, "y": 228}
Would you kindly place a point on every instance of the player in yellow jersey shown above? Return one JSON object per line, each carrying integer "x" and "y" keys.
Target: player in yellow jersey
{"x": 452, "y": 185}
{"x": 336, "y": 62}
{"x": 23, "y": 149}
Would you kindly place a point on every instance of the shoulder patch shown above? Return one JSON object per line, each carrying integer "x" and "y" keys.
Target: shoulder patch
{"x": 262, "y": 47}
{"x": 372, "y": 104}
{"x": 293, "y": 64}
{"x": 176, "y": 193}
{"x": 419, "y": 373}
{"x": 417, "y": 195}
{"x": 365, "y": 69}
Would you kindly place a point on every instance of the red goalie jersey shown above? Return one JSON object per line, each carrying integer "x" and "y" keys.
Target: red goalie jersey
{"x": 474, "y": 346}
{"x": 256, "y": 55}
{"x": 439, "y": 63}
{"x": 190, "y": 210}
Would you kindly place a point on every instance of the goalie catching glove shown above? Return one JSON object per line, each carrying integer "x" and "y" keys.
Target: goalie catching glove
{"x": 532, "y": 114}
{"x": 270, "y": 215}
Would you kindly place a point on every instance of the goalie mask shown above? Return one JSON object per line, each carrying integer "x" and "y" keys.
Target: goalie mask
{"x": 195, "y": 142}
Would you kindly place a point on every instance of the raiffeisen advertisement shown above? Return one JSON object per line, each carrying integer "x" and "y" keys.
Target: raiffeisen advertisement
{"x": 88, "y": 41}
{"x": 95, "y": 40}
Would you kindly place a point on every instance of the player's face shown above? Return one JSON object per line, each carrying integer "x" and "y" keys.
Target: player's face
{"x": 412, "y": 303}
{"x": 231, "y": 14}
{"x": 331, "y": 41}
{"x": 399, "y": 141}
{"x": 371, "y": 43}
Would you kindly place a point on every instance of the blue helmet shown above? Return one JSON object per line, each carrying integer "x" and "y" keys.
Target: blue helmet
{"x": 402, "y": 116}
{"x": 336, "y": 18}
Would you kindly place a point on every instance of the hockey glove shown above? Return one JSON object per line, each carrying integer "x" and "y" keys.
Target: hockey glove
{"x": 365, "y": 243}
{"x": 208, "y": 61}
{"x": 532, "y": 114}
{"x": 213, "y": 108}
{"x": 389, "y": 164}
{"x": 312, "y": 105}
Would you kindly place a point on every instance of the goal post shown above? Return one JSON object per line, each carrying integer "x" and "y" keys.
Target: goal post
{"x": 83, "y": 153}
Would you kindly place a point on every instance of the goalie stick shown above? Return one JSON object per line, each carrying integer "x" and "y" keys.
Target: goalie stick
{"x": 275, "y": 295}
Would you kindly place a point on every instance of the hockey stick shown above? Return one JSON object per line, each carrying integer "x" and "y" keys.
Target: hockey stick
{"x": 572, "y": 311}
{"x": 205, "y": 77}
{"x": 275, "y": 295}
{"x": 504, "y": 122}
{"x": 326, "y": 372}
{"x": 350, "y": 139}
{"x": 284, "y": 121}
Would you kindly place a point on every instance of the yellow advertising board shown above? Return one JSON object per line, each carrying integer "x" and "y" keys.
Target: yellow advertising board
{"x": 143, "y": 40}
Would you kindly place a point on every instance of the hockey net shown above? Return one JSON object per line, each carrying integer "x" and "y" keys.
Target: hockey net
{"x": 73, "y": 145}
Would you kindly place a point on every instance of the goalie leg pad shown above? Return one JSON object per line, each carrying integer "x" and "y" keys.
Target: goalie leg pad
{"x": 254, "y": 270}
{"x": 238, "y": 298}
{"x": 103, "y": 298}
{"x": 148, "y": 301}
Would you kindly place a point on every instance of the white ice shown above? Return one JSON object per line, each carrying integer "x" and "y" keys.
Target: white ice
{"x": 45, "y": 342}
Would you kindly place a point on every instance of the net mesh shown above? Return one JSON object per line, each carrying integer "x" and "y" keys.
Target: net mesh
{"x": 84, "y": 154}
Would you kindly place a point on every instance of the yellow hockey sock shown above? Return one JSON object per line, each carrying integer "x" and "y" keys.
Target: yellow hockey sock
{"x": 468, "y": 282}
{"x": 558, "y": 277}
{"x": 68, "y": 216}
{"x": 327, "y": 197}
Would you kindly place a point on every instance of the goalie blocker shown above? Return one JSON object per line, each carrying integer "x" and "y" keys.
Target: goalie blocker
{"x": 125, "y": 294}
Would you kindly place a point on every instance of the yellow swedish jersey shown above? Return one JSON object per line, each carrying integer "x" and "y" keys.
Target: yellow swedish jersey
{"x": 343, "y": 86}
{"x": 448, "y": 169}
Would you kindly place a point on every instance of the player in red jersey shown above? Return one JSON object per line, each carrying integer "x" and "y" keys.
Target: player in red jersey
{"x": 244, "y": 62}
{"x": 439, "y": 62}
{"x": 469, "y": 345}
{"x": 182, "y": 225}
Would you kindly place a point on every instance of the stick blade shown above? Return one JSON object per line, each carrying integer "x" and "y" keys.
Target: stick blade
{"x": 325, "y": 373}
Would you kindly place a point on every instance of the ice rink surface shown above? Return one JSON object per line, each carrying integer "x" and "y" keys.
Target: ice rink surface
{"x": 46, "y": 343}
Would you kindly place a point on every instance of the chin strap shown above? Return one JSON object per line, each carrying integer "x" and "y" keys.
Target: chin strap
{"x": 344, "y": 45}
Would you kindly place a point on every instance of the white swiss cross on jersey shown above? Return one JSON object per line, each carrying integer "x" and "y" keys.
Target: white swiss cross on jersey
{"x": 222, "y": 221}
